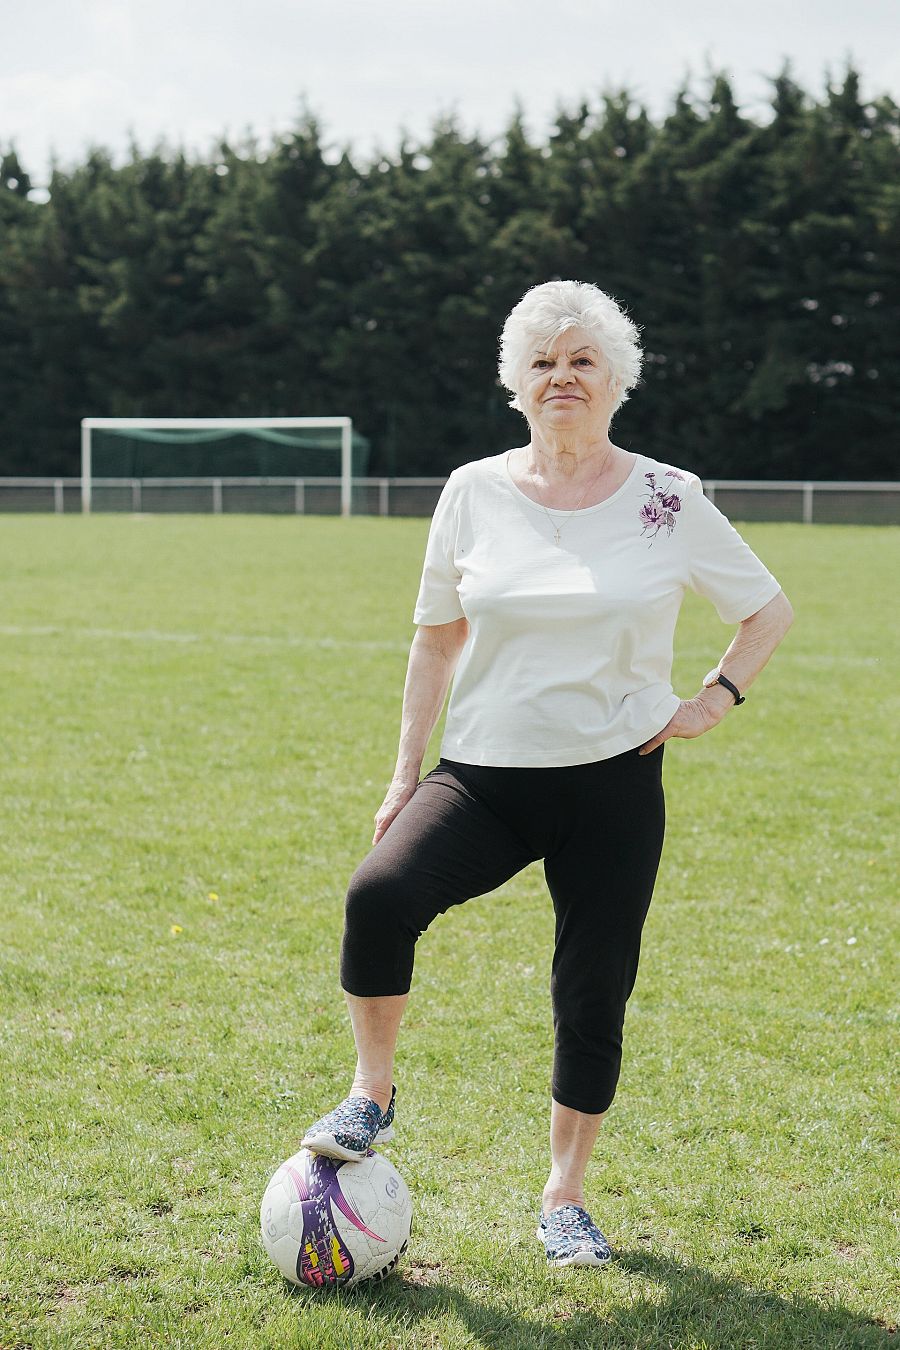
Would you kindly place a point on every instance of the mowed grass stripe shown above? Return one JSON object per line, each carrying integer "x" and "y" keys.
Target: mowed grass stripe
{"x": 822, "y": 660}
{"x": 240, "y": 639}
{"x": 153, "y": 1079}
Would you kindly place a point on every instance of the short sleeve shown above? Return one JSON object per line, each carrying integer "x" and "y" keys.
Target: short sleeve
{"x": 438, "y": 598}
{"x": 721, "y": 565}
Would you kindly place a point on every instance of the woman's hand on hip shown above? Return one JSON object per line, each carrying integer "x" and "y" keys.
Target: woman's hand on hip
{"x": 398, "y": 794}
{"x": 693, "y": 718}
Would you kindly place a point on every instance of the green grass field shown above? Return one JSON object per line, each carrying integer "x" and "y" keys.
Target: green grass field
{"x": 200, "y": 717}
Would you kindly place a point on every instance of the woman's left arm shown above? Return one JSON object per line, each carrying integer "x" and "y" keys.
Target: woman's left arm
{"x": 753, "y": 644}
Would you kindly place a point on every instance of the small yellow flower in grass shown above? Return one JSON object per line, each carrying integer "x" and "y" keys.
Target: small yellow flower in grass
{"x": 213, "y": 895}
{"x": 176, "y": 929}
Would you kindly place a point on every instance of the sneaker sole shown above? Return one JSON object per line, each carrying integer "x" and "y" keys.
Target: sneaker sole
{"x": 327, "y": 1145}
{"x": 580, "y": 1259}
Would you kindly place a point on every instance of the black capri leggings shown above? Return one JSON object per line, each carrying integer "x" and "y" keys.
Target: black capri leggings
{"x": 466, "y": 830}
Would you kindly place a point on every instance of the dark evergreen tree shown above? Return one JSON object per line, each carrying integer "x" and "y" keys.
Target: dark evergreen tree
{"x": 16, "y": 380}
{"x": 760, "y": 260}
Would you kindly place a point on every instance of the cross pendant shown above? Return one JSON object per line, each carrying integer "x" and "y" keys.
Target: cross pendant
{"x": 556, "y": 537}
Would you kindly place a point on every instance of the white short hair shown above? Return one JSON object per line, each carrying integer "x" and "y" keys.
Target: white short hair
{"x": 547, "y": 311}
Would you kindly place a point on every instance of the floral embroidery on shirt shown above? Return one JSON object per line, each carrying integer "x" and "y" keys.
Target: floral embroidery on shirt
{"x": 662, "y": 506}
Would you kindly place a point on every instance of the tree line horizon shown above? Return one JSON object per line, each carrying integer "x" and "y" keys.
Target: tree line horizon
{"x": 759, "y": 259}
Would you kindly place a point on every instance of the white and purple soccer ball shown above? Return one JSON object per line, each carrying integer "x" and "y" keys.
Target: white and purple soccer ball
{"x": 327, "y": 1223}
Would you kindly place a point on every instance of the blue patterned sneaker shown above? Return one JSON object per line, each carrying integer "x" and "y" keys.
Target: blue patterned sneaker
{"x": 350, "y": 1130}
{"x": 571, "y": 1238}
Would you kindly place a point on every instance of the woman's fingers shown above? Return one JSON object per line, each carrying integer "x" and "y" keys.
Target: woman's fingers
{"x": 661, "y": 736}
{"x": 389, "y": 810}
{"x": 689, "y": 721}
{"x": 383, "y": 822}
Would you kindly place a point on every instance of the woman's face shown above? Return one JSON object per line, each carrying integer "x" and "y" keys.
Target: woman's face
{"x": 567, "y": 386}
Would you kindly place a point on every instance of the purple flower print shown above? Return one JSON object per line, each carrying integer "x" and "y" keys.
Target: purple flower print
{"x": 651, "y": 515}
{"x": 662, "y": 505}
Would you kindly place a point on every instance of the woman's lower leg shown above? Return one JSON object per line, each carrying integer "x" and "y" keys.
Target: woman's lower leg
{"x": 572, "y": 1138}
{"x": 376, "y": 1022}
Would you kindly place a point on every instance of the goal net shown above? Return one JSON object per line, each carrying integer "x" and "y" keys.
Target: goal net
{"x": 220, "y": 463}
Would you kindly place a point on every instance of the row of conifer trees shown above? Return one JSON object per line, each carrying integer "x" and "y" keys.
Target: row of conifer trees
{"x": 761, "y": 259}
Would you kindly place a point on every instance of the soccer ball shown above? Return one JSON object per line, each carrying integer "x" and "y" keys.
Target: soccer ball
{"x": 327, "y": 1223}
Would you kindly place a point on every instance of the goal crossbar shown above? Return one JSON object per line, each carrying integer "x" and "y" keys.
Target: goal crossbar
{"x": 89, "y": 424}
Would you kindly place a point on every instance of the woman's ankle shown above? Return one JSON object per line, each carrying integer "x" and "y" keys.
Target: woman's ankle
{"x": 552, "y": 1199}
{"x": 372, "y": 1088}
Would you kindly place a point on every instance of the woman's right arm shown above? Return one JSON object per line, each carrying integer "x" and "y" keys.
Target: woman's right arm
{"x": 432, "y": 660}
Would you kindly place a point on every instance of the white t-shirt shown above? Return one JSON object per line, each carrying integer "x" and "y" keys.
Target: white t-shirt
{"x": 569, "y": 653}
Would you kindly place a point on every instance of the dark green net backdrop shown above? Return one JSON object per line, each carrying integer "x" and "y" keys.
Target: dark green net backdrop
{"x": 259, "y": 452}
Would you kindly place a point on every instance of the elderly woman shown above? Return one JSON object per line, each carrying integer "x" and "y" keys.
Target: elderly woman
{"x": 552, "y": 582}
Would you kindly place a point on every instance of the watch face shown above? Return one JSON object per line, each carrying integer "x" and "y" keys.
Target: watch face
{"x": 711, "y": 679}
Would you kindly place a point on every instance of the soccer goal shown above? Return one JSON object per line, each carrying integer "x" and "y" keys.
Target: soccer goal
{"x": 218, "y": 451}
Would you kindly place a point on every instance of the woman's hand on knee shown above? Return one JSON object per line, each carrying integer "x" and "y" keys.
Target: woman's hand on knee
{"x": 398, "y": 794}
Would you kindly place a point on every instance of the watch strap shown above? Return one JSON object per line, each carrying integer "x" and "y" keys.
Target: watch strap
{"x": 732, "y": 688}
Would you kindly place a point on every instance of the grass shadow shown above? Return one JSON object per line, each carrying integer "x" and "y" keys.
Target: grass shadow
{"x": 696, "y": 1309}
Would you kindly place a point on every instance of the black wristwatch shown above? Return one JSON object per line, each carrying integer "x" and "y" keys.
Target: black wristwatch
{"x": 716, "y": 677}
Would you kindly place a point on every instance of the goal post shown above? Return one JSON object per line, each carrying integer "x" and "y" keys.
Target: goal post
{"x": 207, "y": 429}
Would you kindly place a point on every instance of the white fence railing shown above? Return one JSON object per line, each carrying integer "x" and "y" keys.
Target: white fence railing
{"x": 848, "y": 503}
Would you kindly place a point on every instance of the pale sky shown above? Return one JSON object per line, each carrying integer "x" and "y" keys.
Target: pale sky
{"x": 80, "y": 72}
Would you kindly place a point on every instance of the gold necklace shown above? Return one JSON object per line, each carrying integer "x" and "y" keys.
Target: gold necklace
{"x": 557, "y": 529}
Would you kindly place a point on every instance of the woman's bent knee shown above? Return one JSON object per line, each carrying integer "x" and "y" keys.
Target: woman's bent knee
{"x": 379, "y": 937}
{"x": 376, "y": 902}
